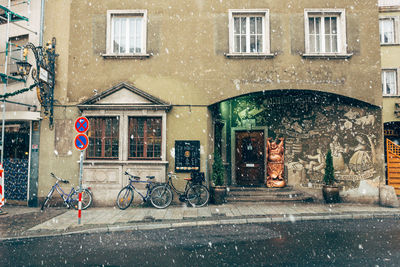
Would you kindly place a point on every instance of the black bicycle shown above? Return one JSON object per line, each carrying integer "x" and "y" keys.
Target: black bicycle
{"x": 195, "y": 192}
{"x": 159, "y": 194}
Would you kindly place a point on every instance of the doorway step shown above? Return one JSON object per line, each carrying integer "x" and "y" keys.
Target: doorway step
{"x": 262, "y": 194}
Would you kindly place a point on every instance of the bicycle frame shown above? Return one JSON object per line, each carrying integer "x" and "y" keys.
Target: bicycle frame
{"x": 171, "y": 185}
{"x": 131, "y": 185}
{"x": 66, "y": 198}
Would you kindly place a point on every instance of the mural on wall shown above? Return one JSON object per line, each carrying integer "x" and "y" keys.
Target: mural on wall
{"x": 312, "y": 123}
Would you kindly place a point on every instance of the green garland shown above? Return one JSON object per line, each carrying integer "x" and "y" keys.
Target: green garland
{"x": 7, "y": 95}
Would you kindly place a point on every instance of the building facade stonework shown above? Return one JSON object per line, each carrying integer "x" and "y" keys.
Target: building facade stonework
{"x": 229, "y": 74}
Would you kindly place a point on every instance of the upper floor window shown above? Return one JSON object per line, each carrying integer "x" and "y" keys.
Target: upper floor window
{"x": 389, "y": 82}
{"x": 103, "y": 138}
{"x": 126, "y": 32}
{"x": 249, "y": 31}
{"x": 387, "y": 30}
{"x": 389, "y": 2}
{"x": 325, "y": 31}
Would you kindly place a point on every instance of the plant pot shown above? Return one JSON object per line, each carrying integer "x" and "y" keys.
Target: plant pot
{"x": 218, "y": 194}
{"x": 331, "y": 194}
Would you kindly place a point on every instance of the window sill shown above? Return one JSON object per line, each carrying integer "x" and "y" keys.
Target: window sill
{"x": 391, "y": 96}
{"x": 123, "y": 162}
{"x": 389, "y": 8}
{"x": 390, "y": 44}
{"x": 250, "y": 55}
{"x": 136, "y": 56}
{"x": 328, "y": 56}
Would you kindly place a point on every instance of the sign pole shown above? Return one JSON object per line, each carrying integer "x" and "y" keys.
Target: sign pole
{"x": 81, "y": 143}
{"x": 80, "y": 188}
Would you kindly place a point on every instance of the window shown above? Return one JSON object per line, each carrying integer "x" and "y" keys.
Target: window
{"x": 389, "y": 2}
{"x": 126, "y": 32}
{"x": 386, "y": 29}
{"x": 325, "y": 31}
{"x": 249, "y": 32}
{"x": 145, "y": 137}
{"x": 389, "y": 82}
{"x": 16, "y": 44}
{"x": 103, "y": 138}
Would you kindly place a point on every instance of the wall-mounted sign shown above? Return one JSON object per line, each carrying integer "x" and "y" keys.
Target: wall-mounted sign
{"x": 187, "y": 156}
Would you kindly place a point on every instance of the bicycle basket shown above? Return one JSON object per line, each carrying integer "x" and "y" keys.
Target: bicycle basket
{"x": 197, "y": 177}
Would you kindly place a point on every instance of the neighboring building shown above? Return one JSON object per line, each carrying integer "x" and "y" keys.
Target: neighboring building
{"x": 389, "y": 16}
{"x": 227, "y": 74}
{"x": 22, "y": 112}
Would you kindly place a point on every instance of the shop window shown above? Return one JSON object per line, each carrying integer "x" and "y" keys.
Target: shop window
{"x": 103, "y": 138}
{"x": 389, "y": 82}
{"x": 145, "y": 137}
{"x": 126, "y": 32}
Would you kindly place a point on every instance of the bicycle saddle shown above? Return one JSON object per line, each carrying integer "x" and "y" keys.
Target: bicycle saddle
{"x": 150, "y": 177}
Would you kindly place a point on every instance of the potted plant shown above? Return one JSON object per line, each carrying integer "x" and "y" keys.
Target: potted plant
{"x": 329, "y": 190}
{"x": 218, "y": 190}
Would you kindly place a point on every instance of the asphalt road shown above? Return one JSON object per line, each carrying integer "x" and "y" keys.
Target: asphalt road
{"x": 304, "y": 243}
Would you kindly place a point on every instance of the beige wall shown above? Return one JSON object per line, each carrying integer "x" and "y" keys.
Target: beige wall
{"x": 188, "y": 67}
{"x": 390, "y": 60}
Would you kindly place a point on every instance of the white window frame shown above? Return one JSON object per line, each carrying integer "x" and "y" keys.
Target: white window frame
{"x": 384, "y": 3}
{"x": 110, "y": 34}
{"x": 395, "y": 20}
{"x": 341, "y": 29}
{"x": 264, "y": 13}
{"x": 383, "y": 77}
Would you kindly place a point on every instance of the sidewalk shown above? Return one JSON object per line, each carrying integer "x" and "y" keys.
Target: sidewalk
{"x": 61, "y": 221}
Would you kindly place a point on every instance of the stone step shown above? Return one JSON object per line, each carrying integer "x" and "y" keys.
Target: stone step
{"x": 260, "y": 189}
{"x": 263, "y": 194}
{"x": 254, "y": 199}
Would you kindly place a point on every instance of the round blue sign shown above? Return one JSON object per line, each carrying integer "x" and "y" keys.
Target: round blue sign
{"x": 81, "y": 141}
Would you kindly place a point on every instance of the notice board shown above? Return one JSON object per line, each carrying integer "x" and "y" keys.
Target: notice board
{"x": 187, "y": 155}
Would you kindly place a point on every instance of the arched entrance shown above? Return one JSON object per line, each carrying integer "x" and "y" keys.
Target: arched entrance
{"x": 311, "y": 123}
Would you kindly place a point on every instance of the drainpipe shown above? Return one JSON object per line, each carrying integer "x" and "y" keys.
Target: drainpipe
{"x": 41, "y": 23}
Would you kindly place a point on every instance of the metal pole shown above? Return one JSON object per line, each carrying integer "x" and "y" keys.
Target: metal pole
{"x": 5, "y": 85}
{"x": 80, "y": 188}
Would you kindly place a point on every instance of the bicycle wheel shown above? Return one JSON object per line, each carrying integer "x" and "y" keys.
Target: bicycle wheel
{"x": 47, "y": 200}
{"x": 125, "y": 198}
{"x": 161, "y": 196}
{"x": 87, "y": 199}
{"x": 198, "y": 195}
{"x": 44, "y": 204}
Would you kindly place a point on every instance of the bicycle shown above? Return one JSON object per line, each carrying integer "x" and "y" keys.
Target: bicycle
{"x": 72, "y": 199}
{"x": 159, "y": 194}
{"x": 195, "y": 192}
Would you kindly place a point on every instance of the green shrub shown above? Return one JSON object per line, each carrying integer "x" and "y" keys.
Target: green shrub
{"x": 329, "y": 177}
{"x": 218, "y": 170}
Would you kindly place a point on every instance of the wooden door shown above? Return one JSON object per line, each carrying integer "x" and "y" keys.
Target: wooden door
{"x": 249, "y": 158}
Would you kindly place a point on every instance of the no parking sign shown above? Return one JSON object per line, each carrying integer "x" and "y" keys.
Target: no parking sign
{"x": 81, "y": 142}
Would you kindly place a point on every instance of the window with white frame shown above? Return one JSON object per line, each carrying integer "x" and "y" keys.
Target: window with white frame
{"x": 126, "y": 32}
{"x": 249, "y": 31}
{"x": 389, "y": 82}
{"x": 387, "y": 30}
{"x": 325, "y": 31}
{"x": 388, "y": 2}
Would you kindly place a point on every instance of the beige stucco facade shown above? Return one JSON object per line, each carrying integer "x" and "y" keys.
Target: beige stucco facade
{"x": 187, "y": 65}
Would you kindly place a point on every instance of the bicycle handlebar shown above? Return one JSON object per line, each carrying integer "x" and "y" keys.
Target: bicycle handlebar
{"x": 61, "y": 180}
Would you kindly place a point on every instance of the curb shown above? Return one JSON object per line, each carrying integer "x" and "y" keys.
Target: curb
{"x": 250, "y": 220}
